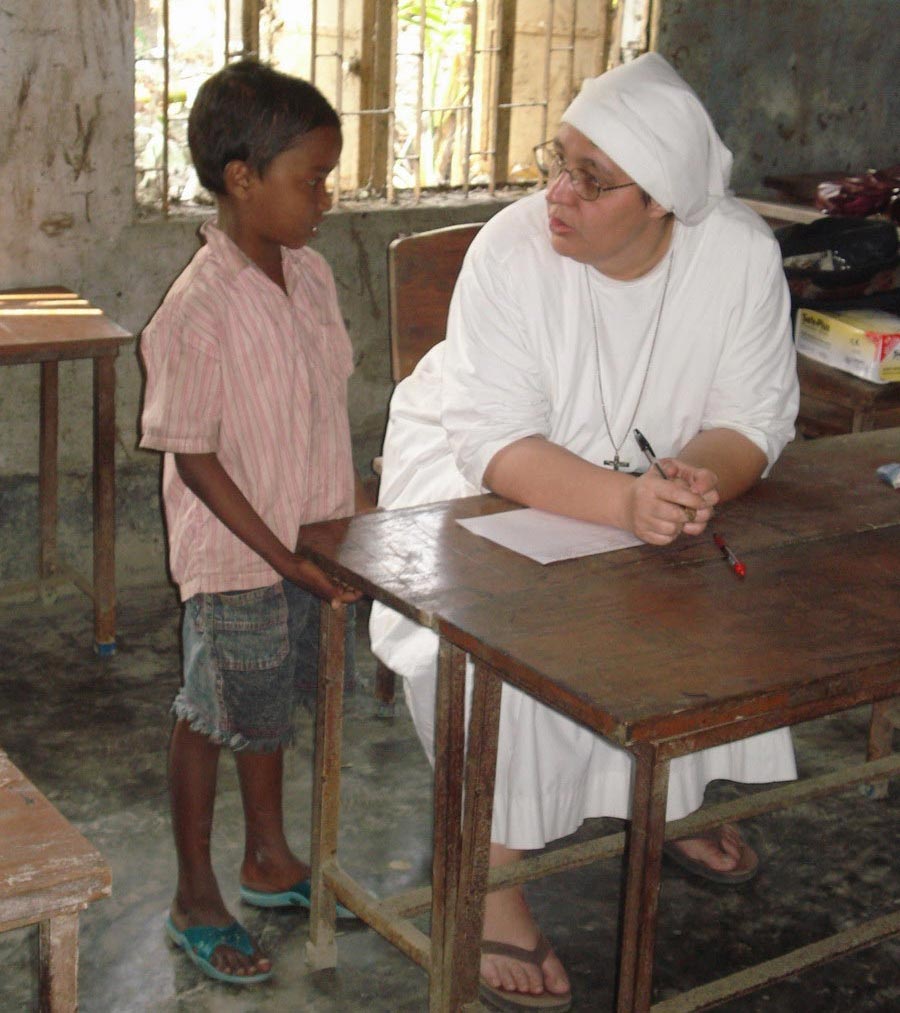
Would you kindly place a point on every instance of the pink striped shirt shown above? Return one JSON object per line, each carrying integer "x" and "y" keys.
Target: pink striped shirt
{"x": 237, "y": 368}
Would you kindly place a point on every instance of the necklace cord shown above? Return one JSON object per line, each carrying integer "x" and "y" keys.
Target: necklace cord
{"x": 616, "y": 462}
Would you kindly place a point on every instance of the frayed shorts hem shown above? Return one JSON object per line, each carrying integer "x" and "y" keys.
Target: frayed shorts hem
{"x": 234, "y": 741}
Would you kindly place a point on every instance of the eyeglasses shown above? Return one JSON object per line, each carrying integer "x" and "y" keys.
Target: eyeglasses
{"x": 551, "y": 164}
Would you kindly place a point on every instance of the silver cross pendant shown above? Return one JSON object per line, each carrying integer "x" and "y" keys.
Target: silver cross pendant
{"x": 617, "y": 463}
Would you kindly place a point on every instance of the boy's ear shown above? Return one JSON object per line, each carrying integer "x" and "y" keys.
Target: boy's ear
{"x": 238, "y": 177}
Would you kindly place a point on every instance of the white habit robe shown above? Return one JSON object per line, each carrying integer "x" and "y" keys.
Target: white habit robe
{"x": 526, "y": 355}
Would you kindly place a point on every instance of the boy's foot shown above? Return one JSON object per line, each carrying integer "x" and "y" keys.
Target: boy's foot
{"x": 219, "y": 946}
{"x": 273, "y": 875}
{"x": 297, "y": 896}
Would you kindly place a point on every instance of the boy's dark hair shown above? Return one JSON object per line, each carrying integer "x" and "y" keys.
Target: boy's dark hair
{"x": 251, "y": 113}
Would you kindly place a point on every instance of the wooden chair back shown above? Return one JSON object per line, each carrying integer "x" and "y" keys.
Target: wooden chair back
{"x": 422, "y": 270}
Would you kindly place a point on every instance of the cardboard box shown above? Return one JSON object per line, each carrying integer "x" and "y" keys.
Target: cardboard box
{"x": 865, "y": 343}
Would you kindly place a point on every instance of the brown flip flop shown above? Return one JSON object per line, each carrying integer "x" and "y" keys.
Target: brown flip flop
{"x": 746, "y": 869}
{"x": 522, "y": 1002}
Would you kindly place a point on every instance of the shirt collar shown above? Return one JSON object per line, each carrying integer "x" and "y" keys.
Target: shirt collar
{"x": 235, "y": 261}
{"x": 231, "y": 257}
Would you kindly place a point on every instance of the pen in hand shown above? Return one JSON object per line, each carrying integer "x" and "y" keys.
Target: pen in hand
{"x": 647, "y": 450}
{"x": 736, "y": 565}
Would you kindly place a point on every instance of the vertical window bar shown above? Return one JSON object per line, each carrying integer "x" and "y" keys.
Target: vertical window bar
{"x": 372, "y": 124}
{"x": 548, "y": 56}
{"x": 613, "y": 54}
{"x": 420, "y": 87}
{"x": 392, "y": 106}
{"x": 313, "y": 41}
{"x": 470, "y": 99}
{"x": 227, "y": 50}
{"x": 250, "y": 27}
{"x": 165, "y": 111}
{"x": 573, "y": 35}
{"x": 339, "y": 85}
{"x": 494, "y": 51}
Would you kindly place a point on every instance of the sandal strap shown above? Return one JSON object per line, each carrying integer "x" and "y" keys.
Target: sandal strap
{"x": 537, "y": 956}
{"x": 204, "y": 940}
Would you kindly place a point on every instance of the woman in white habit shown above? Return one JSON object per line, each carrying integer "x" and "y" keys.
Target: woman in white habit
{"x": 633, "y": 292}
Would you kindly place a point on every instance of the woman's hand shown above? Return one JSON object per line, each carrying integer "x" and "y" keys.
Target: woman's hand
{"x": 659, "y": 510}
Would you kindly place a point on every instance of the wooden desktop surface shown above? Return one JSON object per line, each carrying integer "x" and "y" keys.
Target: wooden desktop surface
{"x": 647, "y": 642}
{"x": 41, "y": 324}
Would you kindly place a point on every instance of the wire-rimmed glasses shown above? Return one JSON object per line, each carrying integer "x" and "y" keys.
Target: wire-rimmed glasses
{"x": 551, "y": 164}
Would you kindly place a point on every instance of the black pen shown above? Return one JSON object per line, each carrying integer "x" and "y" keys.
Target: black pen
{"x": 644, "y": 444}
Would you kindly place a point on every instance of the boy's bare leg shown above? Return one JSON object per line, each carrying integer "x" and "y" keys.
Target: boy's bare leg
{"x": 193, "y": 766}
{"x": 269, "y": 864}
{"x": 507, "y": 919}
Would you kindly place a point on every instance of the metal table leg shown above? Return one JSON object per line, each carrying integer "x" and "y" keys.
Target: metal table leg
{"x": 645, "y": 841}
{"x": 48, "y": 469}
{"x": 321, "y": 950}
{"x": 481, "y": 768}
{"x": 105, "y": 504}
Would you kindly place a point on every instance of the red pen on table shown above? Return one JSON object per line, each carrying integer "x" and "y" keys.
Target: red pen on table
{"x": 736, "y": 565}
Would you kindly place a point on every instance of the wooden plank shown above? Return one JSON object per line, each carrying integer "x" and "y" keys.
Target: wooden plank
{"x": 46, "y": 865}
{"x": 58, "y": 982}
{"x": 37, "y": 325}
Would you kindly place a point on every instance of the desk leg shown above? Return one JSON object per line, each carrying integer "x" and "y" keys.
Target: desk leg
{"x": 645, "y": 841}
{"x": 58, "y": 989}
{"x": 481, "y": 769}
{"x": 105, "y": 504}
{"x": 885, "y": 719}
{"x": 449, "y": 751}
{"x": 321, "y": 950}
{"x": 48, "y": 473}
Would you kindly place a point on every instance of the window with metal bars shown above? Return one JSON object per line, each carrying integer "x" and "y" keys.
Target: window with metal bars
{"x": 433, "y": 94}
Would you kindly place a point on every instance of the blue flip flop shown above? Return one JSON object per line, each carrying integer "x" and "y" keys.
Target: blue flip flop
{"x": 297, "y": 896}
{"x": 200, "y": 942}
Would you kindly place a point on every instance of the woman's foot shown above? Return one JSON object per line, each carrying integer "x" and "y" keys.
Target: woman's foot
{"x": 507, "y": 919}
{"x": 721, "y": 855}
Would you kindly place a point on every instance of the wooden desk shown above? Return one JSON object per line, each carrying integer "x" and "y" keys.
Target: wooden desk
{"x": 624, "y": 643}
{"x": 833, "y": 402}
{"x": 45, "y": 326}
{"x": 48, "y": 873}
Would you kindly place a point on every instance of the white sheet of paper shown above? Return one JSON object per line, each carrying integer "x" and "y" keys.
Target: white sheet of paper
{"x": 547, "y": 537}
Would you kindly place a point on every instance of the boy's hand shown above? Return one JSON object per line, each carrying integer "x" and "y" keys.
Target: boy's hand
{"x": 304, "y": 572}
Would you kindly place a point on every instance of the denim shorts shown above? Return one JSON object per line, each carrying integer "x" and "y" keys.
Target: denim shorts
{"x": 249, "y": 659}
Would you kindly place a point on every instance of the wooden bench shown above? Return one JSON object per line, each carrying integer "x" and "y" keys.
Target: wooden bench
{"x": 833, "y": 402}
{"x": 48, "y": 873}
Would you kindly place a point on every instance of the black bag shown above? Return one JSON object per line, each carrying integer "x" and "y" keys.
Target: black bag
{"x": 835, "y": 252}
{"x": 842, "y": 264}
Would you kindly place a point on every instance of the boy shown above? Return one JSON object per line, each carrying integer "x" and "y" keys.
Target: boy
{"x": 247, "y": 363}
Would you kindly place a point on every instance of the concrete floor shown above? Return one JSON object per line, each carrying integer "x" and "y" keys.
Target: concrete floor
{"x": 92, "y": 735}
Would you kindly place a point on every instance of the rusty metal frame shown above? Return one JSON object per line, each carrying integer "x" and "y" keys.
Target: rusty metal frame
{"x": 460, "y": 873}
